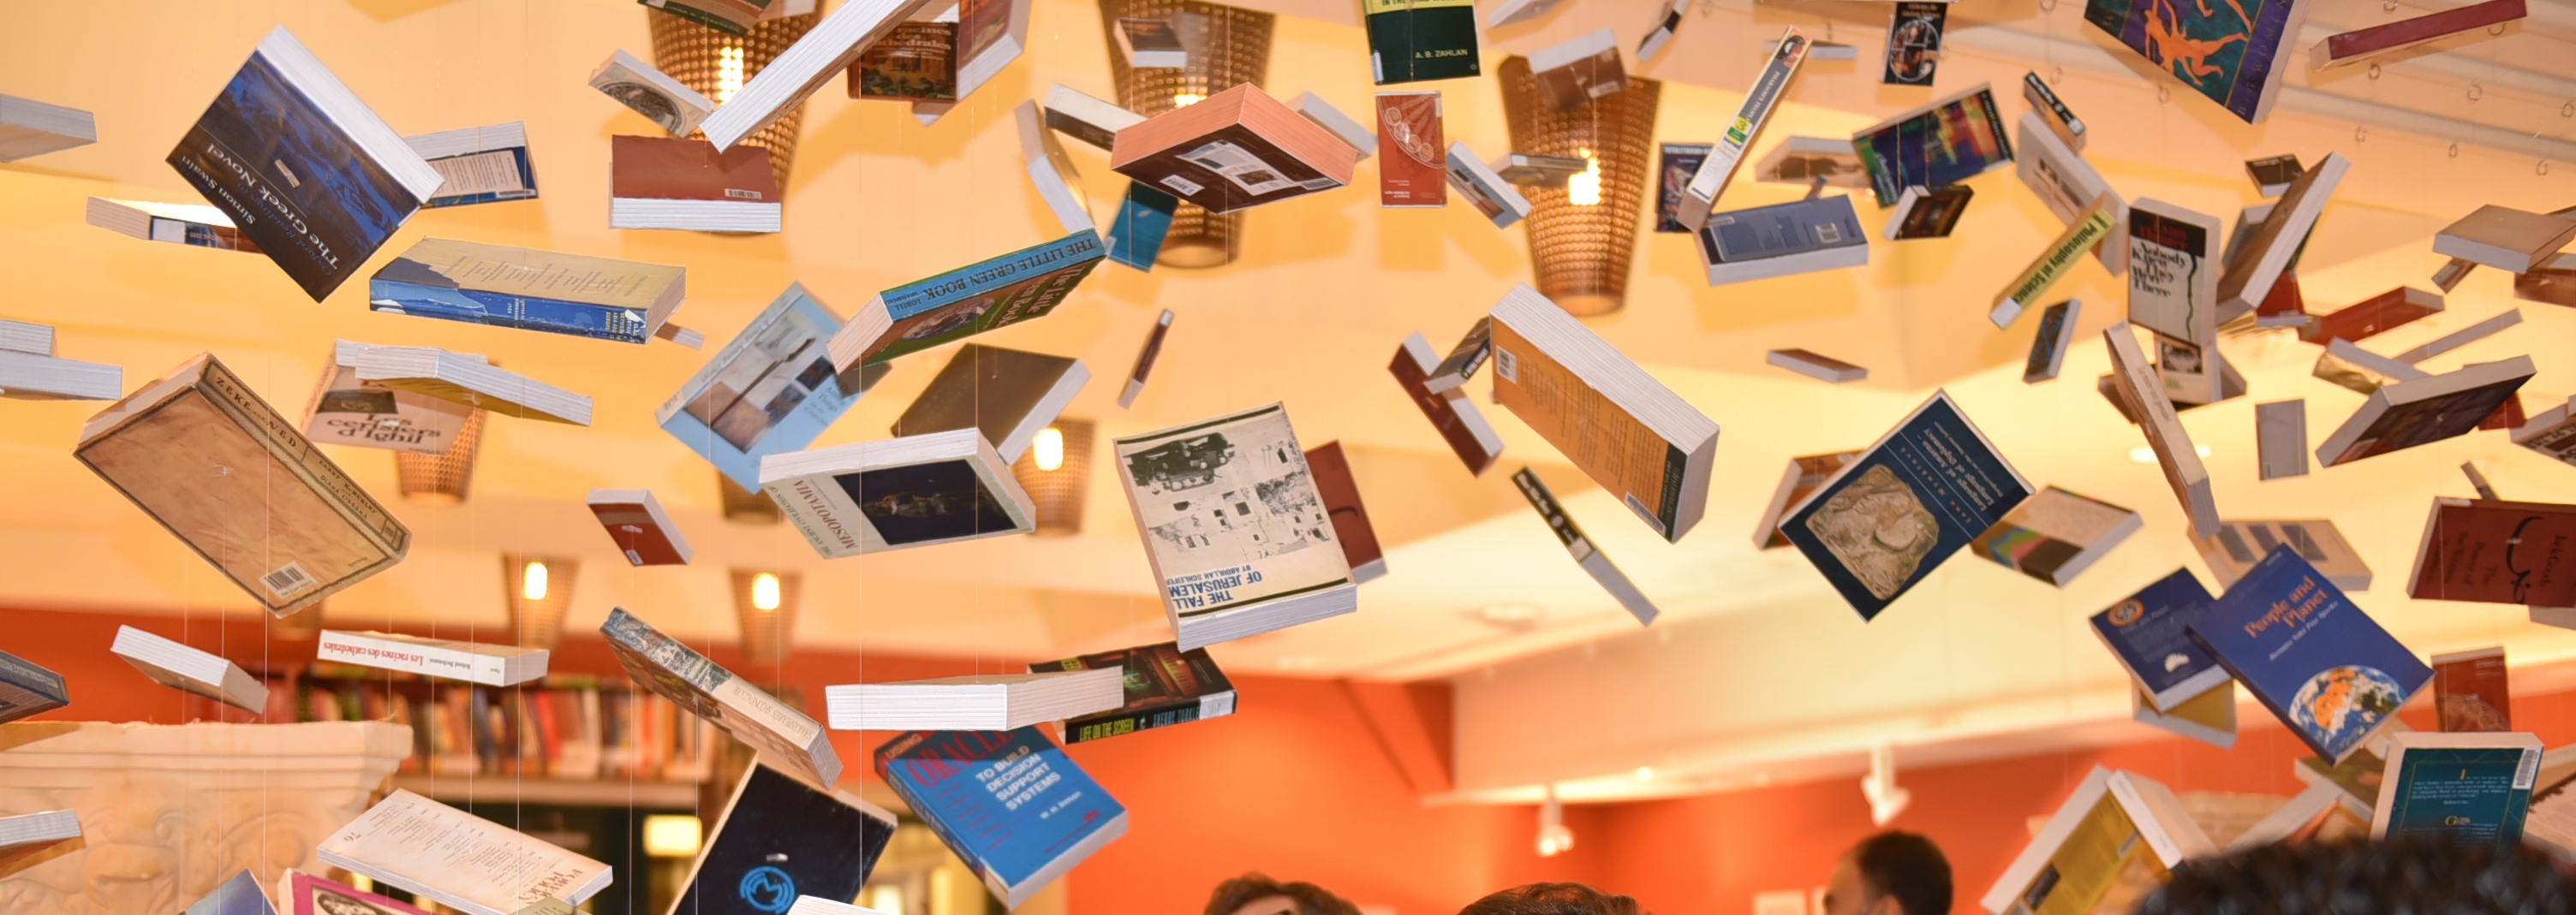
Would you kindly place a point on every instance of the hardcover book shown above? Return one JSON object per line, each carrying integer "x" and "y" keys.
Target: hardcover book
{"x": 1413, "y": 171}
{"x": 1679, "y": 161}
{"x": 781, "y": 839}
{"x": 32, "y": 128}
{"x": 177, "y": 223}
{"x": 1011, "y": 804}
{"x": 527, "y": 289}
{"x": 2497, "y": 552}
{"x": 1806, "y": 472}
{"x": 2055, "y": 535}
{"x": 2317, "y": 661}
{"x": 238, "y": 896}
{"x": 2148, "y": 633}
{"x": 176, "y": 665}
{"x": 1920, "y": 493}
{"x": 993, "y": 293}
{"x": 2405, "y": 414}
{"x": 2415, "y": 36}
{"x": 1415, "y": 40}
{"x": 1350, "y": 517}
{"x": 2069, "y": 185}
{"x": 1928, "y": 212}
{"x": 770, "y": 391}
{"x": 457, "y": 859}
{"x": 642, "y": 531}
{"x": 1144, "y": 219}
{"x": 1914, "y": 43}
{"x": 192, "y": 448}
{"x": 674, "y": 671}
{"x": 472, "y": 662}
{"x": 918, "y": 490}
{"x": 1451, "y": 412}
{"x": 2053, "y": 111}
{"x": 2372, "y": 316}
{"x": 27, "y": 689}
{"x": 918, "y": 60}
{"x": 2469, "y": 691}
{"x": 2233, "y": 54}
{"x": 1578, "y": 71}
{"x": 1237, "y": 148}
{"x": 982, "y": 702}
{"x": 1800, "y": 236}
{"x": 1005, "y": 394}
{"x": 1594, "y": 562}
{"x": 302, "y": 166}
{"x": 2048, "y": 344}
{"x": 2134, "y": 382}
{"x": 1234, "y": 527}
{"x": 672, "y": 183}
{"x": 2110, "y": 844}
{"x": 1709, "y": 183}
{"x": 2474, "y": 789}
{"x": 1162, "y": 686}
{"x": 1145, "y": 356}
{"x": 1948, "y": 141}
{"x": 300, "y": 893}
{"x": 1623, "y": 428}
{"x": 479, "y": 164}
{"x": 646, "y": 90}
{"x": 2173, "y": 291}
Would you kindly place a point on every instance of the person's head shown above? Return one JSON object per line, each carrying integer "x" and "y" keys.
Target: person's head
{"x": 1552, "y": 899}
{"x": 2405, "y": 874}
{"x": 1255, "y": 894}
{"x": 1891, "y": 873}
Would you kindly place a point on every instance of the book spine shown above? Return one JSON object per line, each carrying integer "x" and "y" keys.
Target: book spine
{"x": 958, "y": 285}
{"x": 1182, "y": 710}
{"x": 283, "y": 440}
{"x": 1750, "y": 117}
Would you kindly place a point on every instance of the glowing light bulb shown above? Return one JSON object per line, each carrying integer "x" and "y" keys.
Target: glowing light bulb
{"x": 1186, "y": 99}
{"x": 764, "y": 591}
{"x": 1048, "y": 450}
{"x": 1584, "y": 190}
{"x": 673, "y": 835}
{"x": 728, "y": 73}
{"x": 532, "y": 581}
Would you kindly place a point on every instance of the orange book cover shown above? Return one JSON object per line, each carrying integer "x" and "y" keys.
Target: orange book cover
{"x": 1413, "y": 168}
{"x": 670, "y": 168}
{"x": 1618, "y": 451}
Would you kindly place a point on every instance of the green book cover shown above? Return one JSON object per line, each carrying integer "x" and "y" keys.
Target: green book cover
{"x": 1415, "y": 40}
{"x": 2472, "y": 794}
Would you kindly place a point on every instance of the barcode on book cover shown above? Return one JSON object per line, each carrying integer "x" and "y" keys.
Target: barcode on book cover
{"x": 288, "y": 580}
{"x": 1507, "y": 365}
{"x": 2530, "y": 768}
{"x": 740, "y": 194}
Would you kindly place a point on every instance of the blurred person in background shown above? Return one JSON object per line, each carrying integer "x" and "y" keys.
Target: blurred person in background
{"x": 1552, "y": 899}
{"x": 2409, "y": 875}
{"x": 1256, "y": 894}
{"x": 1891, "y": 873}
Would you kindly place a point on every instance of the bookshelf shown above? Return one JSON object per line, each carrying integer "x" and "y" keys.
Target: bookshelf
{"x": 560, "y": 792}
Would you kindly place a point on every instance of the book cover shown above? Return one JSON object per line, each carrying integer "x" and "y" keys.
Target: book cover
{"x": 275, "y": 514}
{"x": 1947, "y": 142}
{"x": 1006, "y": 394}
{"x": 1783, "y": 229}
{"x": 1920, "y": 493}
{"x": 2310, "y": 655}
{"x": 2053, "y": 111}
{"x": 996, "y": 292}
{"x": 1679, "y": 161}
{"x": 1238, "y": 148}
{"x": 646, "y": 90}
{"x": 300, "y": 893}
{"x": 527, "y": 289}
{"x": 27, "y": 689}
{"x": 2209, "y": 717}
{"x": 1451, "y": 413}
{"x": 1350, "y": 517}
{"x": 1413, "y": 171}
{"x": 1415, "y": 40}
{"x": 1144, "y": 219}
{"x": 301, "y": 166}
{"x": 2405, "y": 414}
{"x": 2148, "y": 632}
{"x": 346, "y": 410}
{"x": 2173, "y": 290}
{"x": 2056, "y": 534}
{"x": 918, "y": 60}
{"x": 1929, "y": 212}
{"x": 240, "y": 895}
{"x": 478, "y": 164}
{"x": 771, "y": 390}
{"x": 676, "y": 672}
{"x": 889, "y": 494}
{"x": 2232, "y": 53}
{"x": 2474, "y": 789}
{"x": 643, "y": 532}
{"x": 1914, "y": 43}
{"x": 2113, "y": 841}
{"x": 1011, "y": 804}
{"x": 2048, "y": 343}
{"x": 672, "y": 168}
{"x": 781, "y": 838}
{"x": 2238, "y": 545}
{"x": 1590, "y": 558}
{"x": 2272, "y": 174}
{"x": 1164, "y": 685}
{"x": 2497, "y": 552}
{"x": 1231, "y": 519}
{"x": 1803, "y": 161}
{"x": 2271, "y": 237}
{"x": 1751, "y": 116}
{"x": 1578, "y": 71}
{"x": 1806, "y": 472}
{"x": 2469, "y": 690}
{"x": 1623, "y": 428}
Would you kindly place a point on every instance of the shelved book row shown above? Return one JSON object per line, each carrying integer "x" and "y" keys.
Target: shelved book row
{"x": 583, "y": 731}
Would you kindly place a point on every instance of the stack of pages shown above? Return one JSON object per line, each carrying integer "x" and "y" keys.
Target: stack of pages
{"x": 490, "y": 665}
{"x": 29, "y": 370}
{"x": 180, "y": 667}
{"x": 471, "y": 381}
{"x": 986, "y": 702}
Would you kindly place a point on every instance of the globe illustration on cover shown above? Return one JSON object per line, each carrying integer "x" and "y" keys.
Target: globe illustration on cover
{"x": 2347, "y": 699}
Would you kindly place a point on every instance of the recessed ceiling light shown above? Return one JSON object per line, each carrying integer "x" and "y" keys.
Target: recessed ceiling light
{"x": 2146, "y": 455}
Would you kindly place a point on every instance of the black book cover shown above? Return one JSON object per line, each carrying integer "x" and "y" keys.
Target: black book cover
{"x": 1415, "y": 40}
{"x": 1914, "y": 43}
{"x": 291, "y": 179}
{"x": 1165, "y": 686}
{"x": 782, "y": 839}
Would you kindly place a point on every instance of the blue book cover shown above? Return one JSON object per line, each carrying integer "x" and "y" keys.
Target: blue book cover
{"x": 293, "y": 178}
{"x": 772, "y": 390}
{"x": 1796, "y": 227}
{"x": 26, "y": 689}
{"x": 990, "y": 294}
{"x": 1680, "y": 162}
{"x": 2321, "y": 665}
{"x": 2471, "y": 788}
{"x": 1947, "y": 142}
{"x": 513, "y": 160}
{"x": 238, "y": 896}
{"x": 780, "y": 839}
{"x": 1921, "y": 493}
{"x": 1136, "y": 236}
{"x": 528, "y": 289}
{"x": 2149, "y": 632}
{"x": 1010, "y": 803}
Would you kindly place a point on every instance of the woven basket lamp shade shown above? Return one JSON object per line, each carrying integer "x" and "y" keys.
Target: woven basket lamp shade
{"x": 1237, "y": 47}
{"x": 442, "y": 480}
{"x": 716, "y": 63}
{"x": 1057, "y": 490}
{"x": 539, "y": 592}
{"x": 1581, "y": 252}
{"x": 746, "y": 506}
{"x": 768, "y": 613}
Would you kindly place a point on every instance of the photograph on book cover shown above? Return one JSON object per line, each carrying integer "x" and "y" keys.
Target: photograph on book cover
{"x": 1230, "y": 503}
{"x": 271, "y": 159}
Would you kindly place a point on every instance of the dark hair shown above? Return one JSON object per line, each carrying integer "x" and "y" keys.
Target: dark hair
{"x": 1552, "y": 899}
{"x": 1908, "y": 867}
{"x": 1311, "y": 899}
{"x": 2401, "y": 875}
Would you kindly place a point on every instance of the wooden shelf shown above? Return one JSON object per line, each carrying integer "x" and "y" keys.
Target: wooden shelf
{"x": 563, "y": 792}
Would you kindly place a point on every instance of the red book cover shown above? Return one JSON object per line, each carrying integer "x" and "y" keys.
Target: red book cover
{"x": 1342, "y": 503}
{"x": 2508, "y": 415}
{"x": 1413, "y": 168}
{"x": 1444, "y": 414}
{"x": 639, "y": 527}
{"x": 2497, "y": 552}
{"x": 2372, "y": 316}
{"x": 2283, "y": 301}
{"x": 2469, "y": 690}
{"x": 2399, "y": 34}
{"x": 670, "y": 168}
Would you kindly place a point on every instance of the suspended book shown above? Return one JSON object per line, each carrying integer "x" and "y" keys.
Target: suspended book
{"x": 2239, "y": 545}
{"x": 2053, "y": 112}
{"x": 1010, "y": 804}
{"x": 1412, "y": 40}
{"x": 27, "y": 838}
{"x": 2473, "y": 789}
{"x": 1144, "y": 219}
{"x": 1091, "y": 120}
{"x": 2133, "y": 382}
{"x": 2148, "y": 633}
{"x": 1145, "y": 357}
{"x": 528, "y": 289}
{"x": 2272, "y": 246}
{"x": 820, "y": 55}
{"x": 1413, "y": 171}
{"x": 1238, "y": 148}
{"x": 1051, "y": 171}
{"x": 672, "y": 183}
{"x": 1593, "y": 561}
{"x": 305, "y": 169}
{"x": 770, "y": 390}
{"x": 994, "y": 293}
{"x": 2116, "y": 839}
{"x": 2497, "y": 552}
{"x": 1362, "y": 139}
{"x": 2405, "y": 38}
{"x": 918, "y": 490}
{"x": 1887, "y": 519}
{"x": 240, "y": 895}
{"x": 2318, "y": 662}
{"x": 2233, "y": 53}
{"x": 1350, "y": 517}
{"x": 177, "y": 223}
{"x": 2055, "y": 535}
{"x": 2471, "y": 690}
{"x": 1626, "y": 430}
{"x": 2069, "y": 186}
{"x": 1949, "y": 141}
{"x": 2373, "y": 316}
{"x": 2507, "y": 239}
{"x": 1006, "y": 394}
{"x": 29, "y": 369}
{"x": 1677, "y": 162}
{"x": 1928, "y": 212}
{"x": 457, "y": 859}
{"x": 984, "y": 702}
{"x": 480, "y": 164}
{"x": 2551, "y": 432}
{"x": 472, "y": 381}
{"x": 1805, "y": 473}
{"x": 32, "y": 128}
{"x": 472, "y": 662}
{"x": 191, "y": 670}
{"x": 780, "y": 840}
{"x": 646, "y": 90}
{"x": 28, "y": 689}
{"x": 642, "y": 530}
{"x": 2173, "y": 291}
{"x": 1782, "y": 239}
{"x": 1803, "y": 160}
{"x": 1452, "y": 413}
{"x": 1484, "y": 188}
{"x": 2055, "y": 261}
{"x": 2422, "y": 411}
{"x": 915, "y": 62}
{"x": 734, "y": 16}
{"x": 1699, "y": 197}
{"x": 1234, "y": 527}
{"x": 990, "y": 35}
{"x": 300, "y": 893}
{"x": 1164, "y": 686}
{"x": 674, "y": 671}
